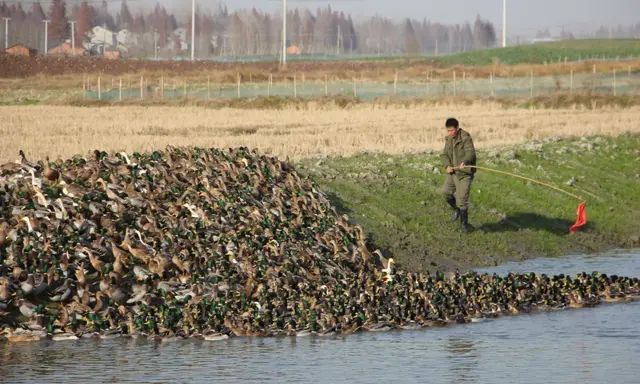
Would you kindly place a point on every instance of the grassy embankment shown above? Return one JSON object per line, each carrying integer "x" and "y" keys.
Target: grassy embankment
{"x": 572, "y": 50}
{"x": 397, "y": 200}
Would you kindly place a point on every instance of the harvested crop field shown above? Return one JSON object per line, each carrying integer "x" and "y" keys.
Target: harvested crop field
{"x": 62, "y": 131}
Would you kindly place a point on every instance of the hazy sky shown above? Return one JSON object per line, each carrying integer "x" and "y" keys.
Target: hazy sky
{"x": 526, "y": 16}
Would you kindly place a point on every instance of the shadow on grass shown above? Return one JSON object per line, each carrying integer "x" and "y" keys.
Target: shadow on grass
{"x": 338, "y": 203}
{"x": 342, "y": 209}
{"x": 526, "y": 220}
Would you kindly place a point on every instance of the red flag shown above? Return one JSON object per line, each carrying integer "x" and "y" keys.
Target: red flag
{"x": 581, "y": 219}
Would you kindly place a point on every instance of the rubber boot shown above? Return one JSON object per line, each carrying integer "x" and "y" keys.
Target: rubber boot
{"x": 464, "y": 221}
{"x": 456, "y": 211}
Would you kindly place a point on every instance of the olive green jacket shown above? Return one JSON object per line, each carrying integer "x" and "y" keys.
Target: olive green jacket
{"x": 459, "y": 149}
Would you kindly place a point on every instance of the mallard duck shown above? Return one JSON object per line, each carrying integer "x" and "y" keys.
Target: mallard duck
{"x": 63, "y": 293}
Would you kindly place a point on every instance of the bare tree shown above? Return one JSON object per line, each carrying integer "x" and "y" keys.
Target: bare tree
{"x": 411, "y": 46}
{"x": 59, "y": 26}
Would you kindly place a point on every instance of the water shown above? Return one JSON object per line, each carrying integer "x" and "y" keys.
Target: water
{"x": 591, "y": 345}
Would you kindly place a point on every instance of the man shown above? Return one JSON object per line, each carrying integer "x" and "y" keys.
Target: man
{"x": 458, "y": 154}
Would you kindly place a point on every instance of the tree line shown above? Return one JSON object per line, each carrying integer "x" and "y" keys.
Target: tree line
{"x": 248, "y": 32}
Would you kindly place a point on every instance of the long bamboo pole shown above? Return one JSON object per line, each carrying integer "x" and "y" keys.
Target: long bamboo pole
{"x": 527, "y": 179}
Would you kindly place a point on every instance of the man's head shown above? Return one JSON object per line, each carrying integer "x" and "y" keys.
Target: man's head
{"x": 452, "y": 126}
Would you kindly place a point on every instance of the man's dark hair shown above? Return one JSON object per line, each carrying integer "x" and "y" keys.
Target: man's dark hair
{"x": 452, "y": 123}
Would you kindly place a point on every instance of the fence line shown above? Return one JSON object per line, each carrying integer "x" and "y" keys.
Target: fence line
{"x": 597, "y": 82}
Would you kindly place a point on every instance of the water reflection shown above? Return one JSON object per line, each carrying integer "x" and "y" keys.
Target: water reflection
{"x": 463, "y": 359}
{"x": 591, "y": 345}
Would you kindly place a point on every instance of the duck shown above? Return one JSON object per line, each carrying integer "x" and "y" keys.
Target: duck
{"x": 23, "y": 161}
{"x": 27, "y": 285}
{"x": 34, "y": 285}
{"x": 50, "y": 174}
{"x": 26, "y": 308}
{"x": 62, "y": 293}
{"x": 20, "y": 335}
{"x": 5, "y": 290}
{"x": 65, "y": 336}
{"x": 214, "y": 336}
{"x": 388, "y": 271}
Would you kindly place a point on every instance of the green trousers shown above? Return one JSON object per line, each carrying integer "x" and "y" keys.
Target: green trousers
{"x": 459, "y": 188}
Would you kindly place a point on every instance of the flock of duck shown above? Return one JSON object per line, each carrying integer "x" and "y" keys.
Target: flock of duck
{"x": 210, "y": 243}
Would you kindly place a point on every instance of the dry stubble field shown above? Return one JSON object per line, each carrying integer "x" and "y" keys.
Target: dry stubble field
{"x": 63, "y": 131}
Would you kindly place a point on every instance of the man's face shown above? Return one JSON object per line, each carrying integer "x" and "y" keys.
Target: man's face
{"x": 451, "y": 131}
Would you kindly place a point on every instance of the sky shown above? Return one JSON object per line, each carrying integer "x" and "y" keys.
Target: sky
{"x": 526, "y": 16}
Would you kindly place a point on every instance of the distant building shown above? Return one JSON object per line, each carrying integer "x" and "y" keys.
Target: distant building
{"x": 66, "y": 49}
{"x": 293, "y": 50}
{"x": 125, "y": 40}
{"x": 112, "y": 55}
{"x": 180, "y": 38}
{"x": 542, "y": 40}
{"x": 101, "y": 39}
{"x": 21, "y": 50}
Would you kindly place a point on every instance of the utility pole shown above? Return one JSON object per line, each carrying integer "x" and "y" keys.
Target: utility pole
{"x": 73, "y": 37}
{"x": 193, "y": 30}
{"x": 284, "y": 33}
{"x": 504, "y": 23}
{"x": 338, "y": 40}
{"x": 46, "y": 36}
{"x": 224, "y": 45}
{"x": 155, "y": 44}
{"x": 6, "y": 32}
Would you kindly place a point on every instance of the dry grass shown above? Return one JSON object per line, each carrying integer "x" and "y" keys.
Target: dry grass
{"x": 62, "y": 131}
{"x": 408, "y": 71}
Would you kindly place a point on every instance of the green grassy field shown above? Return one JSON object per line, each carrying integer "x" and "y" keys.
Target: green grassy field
{"x": 397, "y": 200}
{"x": 549, "y": 52}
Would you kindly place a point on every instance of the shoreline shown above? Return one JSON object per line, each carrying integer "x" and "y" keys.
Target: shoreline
{"x": 33, "y": 336}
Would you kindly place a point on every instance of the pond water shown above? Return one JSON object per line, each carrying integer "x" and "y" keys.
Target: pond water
{"x": 592, "y": 345}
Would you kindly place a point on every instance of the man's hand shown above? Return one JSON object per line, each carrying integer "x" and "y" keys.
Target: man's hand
{"x": 461, "y": 166}
{"x": 450, "y": 170}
